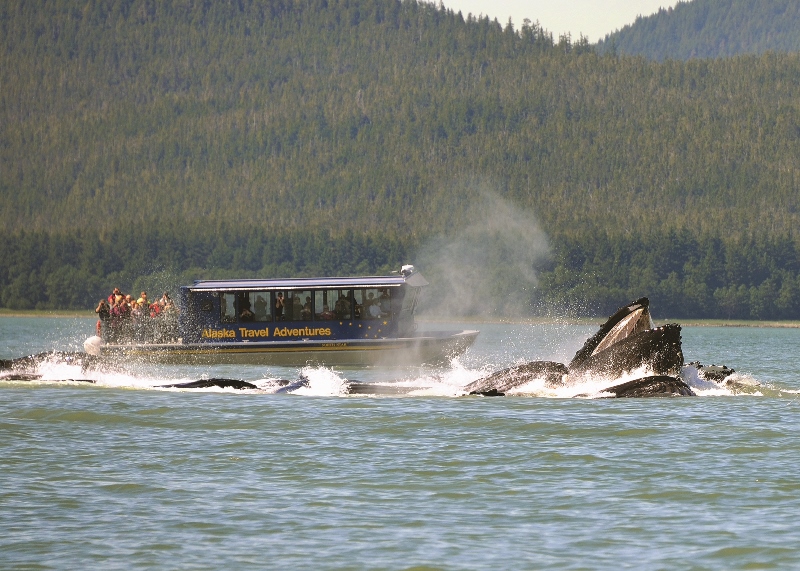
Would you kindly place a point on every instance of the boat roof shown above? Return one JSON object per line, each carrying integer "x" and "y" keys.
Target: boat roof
{"x": 413, "y": 279}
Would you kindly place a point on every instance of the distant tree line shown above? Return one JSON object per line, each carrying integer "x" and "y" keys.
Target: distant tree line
{"x": 684, "y": 276}
{"x": 40, "y": 270}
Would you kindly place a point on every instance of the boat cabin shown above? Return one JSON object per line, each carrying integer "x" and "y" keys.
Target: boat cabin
{"x": 301, "y": 308}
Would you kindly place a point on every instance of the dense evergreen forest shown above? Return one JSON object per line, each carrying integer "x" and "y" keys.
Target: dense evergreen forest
{"x": 144, "y": 144}
{"x": 710, "y": 29}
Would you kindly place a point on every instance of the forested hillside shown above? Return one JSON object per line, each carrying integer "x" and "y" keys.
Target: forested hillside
{"x": 146, "y": 143}
{"x": 710, "y": 29}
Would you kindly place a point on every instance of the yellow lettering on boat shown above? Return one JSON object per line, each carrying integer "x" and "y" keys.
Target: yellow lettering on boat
{"x": 250, "y": 333}
{"x": 218, "y": 334}
{"x": 301, "y": 332}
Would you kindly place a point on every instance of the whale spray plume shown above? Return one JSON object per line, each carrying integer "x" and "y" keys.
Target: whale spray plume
{"x": 488, "y": 268}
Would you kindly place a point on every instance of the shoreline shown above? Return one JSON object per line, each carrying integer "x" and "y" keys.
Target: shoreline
{"x": 66, "y": 314}
{"x": 597, "y": 321}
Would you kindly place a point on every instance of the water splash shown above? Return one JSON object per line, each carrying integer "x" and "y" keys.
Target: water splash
{"x": 415, "y": 382}
{"x": 321, "y": 382}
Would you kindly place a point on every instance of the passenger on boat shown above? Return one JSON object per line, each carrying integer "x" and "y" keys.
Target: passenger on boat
{"x": 261, "y": 308}
{"x": 127, "y": 318}
{"x": 155, "y": 309}
{"x": 342, "y": 308}
{"x": 305, "y": 313}
{"x": 138, "y": 322}
{"x": 112, "y": 298}
{"x": 372, "y": 307}
{"x": 279, "y": 307}
{"x": 103, "y": 316}
{"x": 293, "y": 312}
{"x": 326, "y": 313}
{"x": 120, "y": 312}
{"x": 246, "y": 314}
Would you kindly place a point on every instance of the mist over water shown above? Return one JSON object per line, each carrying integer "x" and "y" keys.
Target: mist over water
{"x": 488, "y": 268}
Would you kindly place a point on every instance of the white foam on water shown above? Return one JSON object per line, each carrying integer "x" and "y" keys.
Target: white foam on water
{"x": 700, "y": 386}
{"x": 445, "y": 382}
{"x": 538, "y": 388}
{"x": 585, "y": 386}
{"x": 270, "y": 385}
{"x": 322, "y": 382}
{"x": 109, "y": 376}
{"x": 52, "y": 370}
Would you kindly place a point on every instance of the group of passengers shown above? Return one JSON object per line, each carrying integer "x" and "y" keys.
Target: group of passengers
{"x": 122, "y": 319}
{"x": 303, "y": 311}
{"x": 298, "y": 306}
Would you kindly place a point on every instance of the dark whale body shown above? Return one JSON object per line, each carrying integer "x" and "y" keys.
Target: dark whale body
{"x": 658, "y": 349}
{"x": 30, "y": 364}
{"x": 15, "y": 376}
{"x": 626, "y": 342}
{"x": 653, "y": 386}
{"x": 207, "y": 383}
{"x": 497, "y": 384}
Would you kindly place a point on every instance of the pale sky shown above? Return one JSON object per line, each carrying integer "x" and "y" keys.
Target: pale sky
{"x": 593, "y": 18}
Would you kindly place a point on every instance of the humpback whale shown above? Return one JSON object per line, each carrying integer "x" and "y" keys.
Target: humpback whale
{"x": 500, "y": 382}
{"x": 207, "y": 383}
{"x": 627, "y": 341}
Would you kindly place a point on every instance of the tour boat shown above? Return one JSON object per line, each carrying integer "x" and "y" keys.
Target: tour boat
{"x": 299, "y": 321}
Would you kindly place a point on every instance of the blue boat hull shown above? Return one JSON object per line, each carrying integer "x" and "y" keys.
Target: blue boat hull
{"x": 430, "y": 348}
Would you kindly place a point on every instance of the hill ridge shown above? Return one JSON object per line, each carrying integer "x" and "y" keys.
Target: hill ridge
{"x": 710, "y": 29}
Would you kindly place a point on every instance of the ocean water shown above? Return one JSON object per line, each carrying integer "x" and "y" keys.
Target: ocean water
{"x": 122, "y": 475}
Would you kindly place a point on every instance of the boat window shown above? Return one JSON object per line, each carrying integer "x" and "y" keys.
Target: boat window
{"x": 342, "y": 307}
{"x": 410, "y": 300}
{"x": 298, "y": 305}
{"x": 332, "y": 304}
{"x": 262, "y": 308}
{"x": 227, "y": 306}
{"x": 385, "y": 302}
{"x": 373, "y": 303}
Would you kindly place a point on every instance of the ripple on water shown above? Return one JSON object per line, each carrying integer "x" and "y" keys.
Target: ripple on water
{"x": 106, "y": 477}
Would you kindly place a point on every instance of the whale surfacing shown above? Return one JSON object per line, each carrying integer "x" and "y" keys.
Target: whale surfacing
{"x": 500, "y": 382}
{"x": 628, "y": 341}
